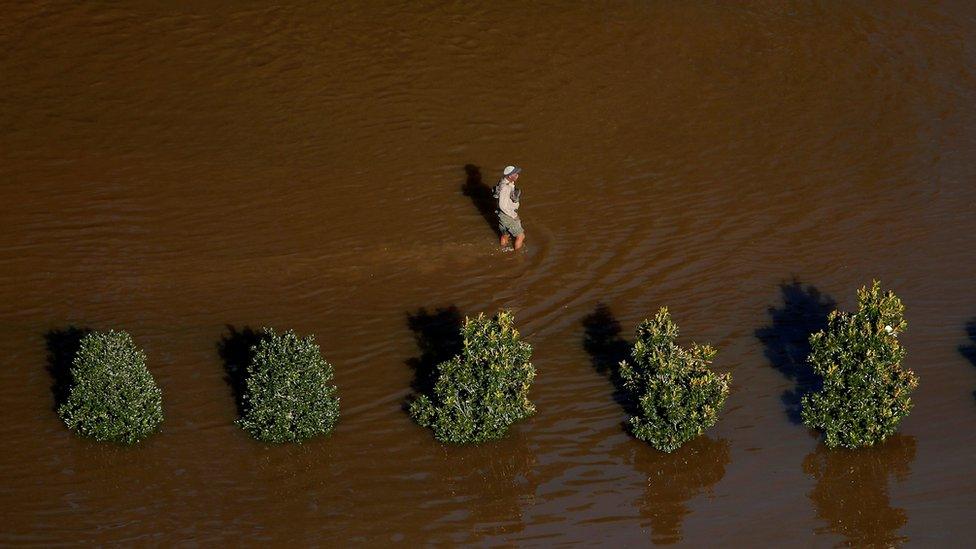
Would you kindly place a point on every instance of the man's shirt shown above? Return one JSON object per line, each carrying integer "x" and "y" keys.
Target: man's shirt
{"x": 505, "y": 203}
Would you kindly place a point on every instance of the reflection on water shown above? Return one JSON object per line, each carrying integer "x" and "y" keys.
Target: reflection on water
{"x": 673, "y": 479}
{"x": 851, "y": 495}
{"x": 496, "y": 482}
{"x": 787, "y": 339}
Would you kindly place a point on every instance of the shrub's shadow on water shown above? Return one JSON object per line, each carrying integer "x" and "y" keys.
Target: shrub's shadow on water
{"x": 607, "y": 349}
{"x": 438, "y": 336}
{"x": 236, "y": 350}
{"x": 969, "y": 351}
{"x": 851, "y": 494}
{"x": 787, "y": 340}
{"x": 62, "y": 346}
{"x": 480, "y": 195}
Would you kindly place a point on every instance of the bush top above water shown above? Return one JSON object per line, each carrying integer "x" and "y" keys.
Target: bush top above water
{"x": 288, "y": 394}
{"x": 483, "y": 390}
{"x": 866, "y": 391}
{"x": 678, "y": 397}
{"x": 112, "y": 395}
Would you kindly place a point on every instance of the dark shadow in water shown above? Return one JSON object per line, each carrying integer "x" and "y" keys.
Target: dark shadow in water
{"x": 969, "y": 351}
{"x": 438, "y": 335}
{"x": 480, "y": 195}
{"x": 236, "y": 351}
{"x": 602, "y": 341}
{"x": 62, "y": 346}
{"x": 787, "y": 339}
{"x": 851, "y": 494}
{"x": 674, "y": 479}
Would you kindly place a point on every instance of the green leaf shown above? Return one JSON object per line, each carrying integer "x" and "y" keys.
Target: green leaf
{"x": 288, "y": 396}
{"x": 113, "y": 396}
{"x": 866, "y": 391}
{"x": 479, "y": 393}
{"x": 678, "y": 396}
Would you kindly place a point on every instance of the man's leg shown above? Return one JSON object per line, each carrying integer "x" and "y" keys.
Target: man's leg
{"x": 504, "y": 240}
{"x": 518, "y": 240}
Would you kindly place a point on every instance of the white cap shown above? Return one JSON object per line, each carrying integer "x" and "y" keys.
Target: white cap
{"x": 511, "y": 170}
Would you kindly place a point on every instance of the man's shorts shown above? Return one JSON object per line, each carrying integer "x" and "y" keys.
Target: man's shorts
{"x": 509, "y": 225}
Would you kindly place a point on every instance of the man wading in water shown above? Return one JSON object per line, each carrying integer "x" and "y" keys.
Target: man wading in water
{"x": 508, "y": 196}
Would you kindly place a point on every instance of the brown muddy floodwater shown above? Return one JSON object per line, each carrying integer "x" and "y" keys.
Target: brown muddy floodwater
{"x": 187, "y": 170}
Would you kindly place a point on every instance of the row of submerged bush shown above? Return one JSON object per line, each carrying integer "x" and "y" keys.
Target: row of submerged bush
{"x": 288, "y": 395}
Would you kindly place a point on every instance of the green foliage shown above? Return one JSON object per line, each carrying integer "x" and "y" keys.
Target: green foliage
{"x": 112, "y": 396}
{"x": 678, "y": 397}
{"x": 485, "y": 389}
{"x": 866, "y": 392}
{"x": 288, "y": 396}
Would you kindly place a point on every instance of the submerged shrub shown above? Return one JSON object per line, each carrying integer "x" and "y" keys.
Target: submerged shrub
{"x": 112, "y": 395}
{"x": 866, "y": 392}
{"x": 288, "y": 396}
{"x": 677, "y": 396}
{"x": 483, "y": 390}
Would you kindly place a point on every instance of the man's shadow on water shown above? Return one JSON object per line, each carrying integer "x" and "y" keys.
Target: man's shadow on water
{"x": 438, "y": 336}
{"x": 62, "y": 346}
{"x": 481, "y": 195}
{"x": 236, "y": 350}
{"x": 969, "y": 351}
{"x": 787, "y": 340}
{"x": 607, "y": 349}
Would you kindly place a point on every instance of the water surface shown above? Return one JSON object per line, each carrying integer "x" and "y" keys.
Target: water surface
{"x": 187, "y": 171}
